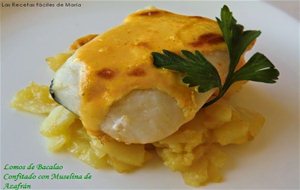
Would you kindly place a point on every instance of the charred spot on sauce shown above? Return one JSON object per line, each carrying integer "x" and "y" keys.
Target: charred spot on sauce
{"x": 137, "y": 72}
{"x": 105, "y": 73}
{"x": 208, "y": 38}
{"x": 143, "y": 45}
{"x": 150, "y": 13}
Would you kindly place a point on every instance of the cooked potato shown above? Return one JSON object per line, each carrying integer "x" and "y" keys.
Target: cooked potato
{"x": 217, "y": 114}
{"x": 80, "y": 147}
{"x": 234, "y": 88}
{"x": 207, "y": 168}
{"x": 34, "y": 98}
{"x": 197, "y": 174}
{"x": 97, "y": 146}
{"x": 133, "y": 154}
{"x": 86, "y": 154}
{"x": 194, "y": 151}
{"x": 244, "y": 126}
{"x": 58, "y": 60}
{"x": 214, "y": 115}
{"x": 120, "y": 166}
{"x": 57, "y": 122}
{"x": 57, "y": 143}
{"x": 191, "y": 150}
{"x": 186, "y": 138}
{"x": 176, "y": 161}
{"x": 256, "y": 121}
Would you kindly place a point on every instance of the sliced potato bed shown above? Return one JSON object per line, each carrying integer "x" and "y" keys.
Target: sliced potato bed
{"x": 34, "y": 98}
{"x": 57, "y": 122}
{"x": 195, "y": 150}
{"x": 57, "y": 143}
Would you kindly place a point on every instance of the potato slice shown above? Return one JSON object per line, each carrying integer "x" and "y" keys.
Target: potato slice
{"x": 217, "y": 160}
{"x": 57, "y": 122}
{"x": 244, "y": 126}
{"x": 176, "y": 161}
{"x": 220, "y": 111}
{"x": 80, "y": 147}
{"x": 216, "y": 114}
{"x": 133, "y": 154}
{"x": 235, "y": 132}
{"x": 234, "y": 88}
{"x": 256, "y": 121}
{"x": 188, "y": 137}
{"x": 57, "y": 143}
{"x": 186, "y": 140}
{"x": 34, "y": 98}
{"x": 97, "y": 146}
{"x": 58, "y": 60}
{"x": 120, "y": 166}
{"x": 208, "y": 166}
{"x": 197, "y": 174}
{"x": 83, "y": 152}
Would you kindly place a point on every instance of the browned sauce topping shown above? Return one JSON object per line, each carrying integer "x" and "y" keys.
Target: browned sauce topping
{"x": 126, "y": 64}
{"x": 208, "y": 38}
{"x": 144, "y": 45}
{"x": 137, "y": 72}
{"x": 81, "y": 43}
{"x": 106, "y": 73}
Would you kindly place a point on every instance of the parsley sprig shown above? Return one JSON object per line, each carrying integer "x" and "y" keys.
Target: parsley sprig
{"x": 200, "y": 73}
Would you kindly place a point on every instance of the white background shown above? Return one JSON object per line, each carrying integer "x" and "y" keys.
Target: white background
{"x": 28, "y": 35}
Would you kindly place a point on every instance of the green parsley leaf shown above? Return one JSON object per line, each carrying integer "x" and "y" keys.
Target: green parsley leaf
{"x": 259, "y": 68}
{"x": 198, "y": 71}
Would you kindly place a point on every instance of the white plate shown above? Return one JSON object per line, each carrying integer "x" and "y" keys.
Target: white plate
{"x": 31, "y": 34}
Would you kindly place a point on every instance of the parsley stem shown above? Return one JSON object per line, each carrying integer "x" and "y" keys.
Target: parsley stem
{"x": 222, "y": 91}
